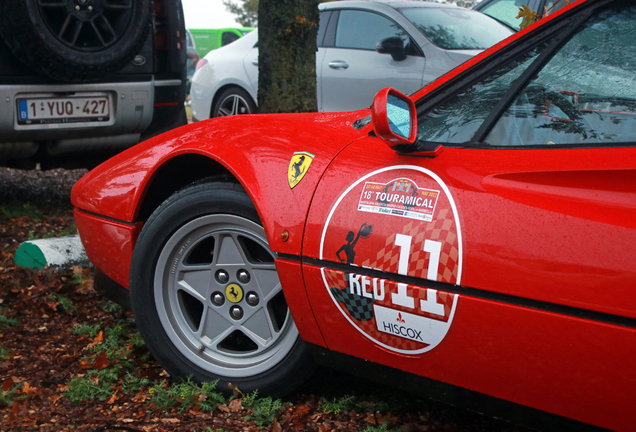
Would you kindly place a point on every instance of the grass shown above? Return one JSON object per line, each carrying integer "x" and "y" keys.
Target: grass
{"x": 88, "y": 388}
{"x": 70, "y": 231}
{"x": 120, "y": 344}
{"x": 122, "y": 333}
{"x": 4, "y": 353}
{"x": 336, "y": 406}
{"x": 5, "y": 321}
{"x": 7, "y": 397}
{"x": 87, "y": 329}
{"x": 183, "y": 396}
{"x": 98, "y": 384}
{"x": 78, "y": 276}
{"x": 111, "y": 307}
{"x": 109, "y": 361}
{"x": 361, "y": 404}
{"x": 16, "y": 210}
{"x": 110, "y": 364}
{"x": 263, "y": 410}
{"x": 250, "y": 399}
{"x": 63, "y": 302}
{"x": 12, "y": 210}
{"x": 134, "y": 384}
{"x": 384, "y": 427}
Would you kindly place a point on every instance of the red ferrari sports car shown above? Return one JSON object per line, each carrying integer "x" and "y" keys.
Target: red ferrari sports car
{"x": 474, "y": 241}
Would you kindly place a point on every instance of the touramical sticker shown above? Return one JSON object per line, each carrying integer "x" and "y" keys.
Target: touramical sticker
{"x": 400, "y": 220}
{"x": 399, "y": 197}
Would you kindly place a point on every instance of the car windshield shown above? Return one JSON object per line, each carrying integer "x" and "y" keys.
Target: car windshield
{"x": 457, "y": 29}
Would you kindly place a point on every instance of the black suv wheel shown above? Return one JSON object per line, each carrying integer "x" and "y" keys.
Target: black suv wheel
{"x": 75, "y": 40}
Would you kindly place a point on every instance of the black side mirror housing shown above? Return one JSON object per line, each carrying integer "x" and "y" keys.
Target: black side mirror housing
{"x": 393, "y": 45}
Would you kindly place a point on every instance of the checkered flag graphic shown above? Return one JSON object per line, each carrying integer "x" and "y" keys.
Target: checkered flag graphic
{"x": 360, "y": 308}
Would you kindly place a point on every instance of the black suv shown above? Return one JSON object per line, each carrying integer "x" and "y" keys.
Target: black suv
{"x": 88, "y": 75}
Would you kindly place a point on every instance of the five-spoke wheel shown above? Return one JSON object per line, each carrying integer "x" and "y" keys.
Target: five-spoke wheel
{"x": 233, "y": 101}
{"x": 219, "y": 298}
{"x": 207, "y": 297}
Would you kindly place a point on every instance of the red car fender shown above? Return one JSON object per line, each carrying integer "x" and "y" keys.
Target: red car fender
{"x": 108, "y": 199}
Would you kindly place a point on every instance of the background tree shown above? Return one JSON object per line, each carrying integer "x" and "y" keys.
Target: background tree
{"x": 287, "y": 55}
{"x": 247, "y": 11}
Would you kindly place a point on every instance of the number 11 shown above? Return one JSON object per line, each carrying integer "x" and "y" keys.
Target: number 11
{"x": 401, "y": 298}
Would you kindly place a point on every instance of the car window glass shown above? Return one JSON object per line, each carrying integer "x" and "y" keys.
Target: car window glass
{"x": 457, "y": 119}
{"x": 322, "y": 26}
{"x": 189, "y": 40}
{"x": 456, "y": 28}
{"x": 555, "y": 5}
{"x": 585, "y": 94}
{"x": 363, "y": 30}
{"x": 228, "y": 37}
{"x": 506, "y": 11}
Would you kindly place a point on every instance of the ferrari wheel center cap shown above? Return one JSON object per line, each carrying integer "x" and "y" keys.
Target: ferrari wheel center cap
{"x": 234, "y": 293}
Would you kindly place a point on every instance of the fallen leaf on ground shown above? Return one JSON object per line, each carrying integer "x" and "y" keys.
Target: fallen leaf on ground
{"x": 276, "y": 426}
{"x": 113, "y": 398}
{"x": 236, "y": 405}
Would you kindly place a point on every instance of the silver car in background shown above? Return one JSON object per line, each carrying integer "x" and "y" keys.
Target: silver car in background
{"x": 363, "y": 46}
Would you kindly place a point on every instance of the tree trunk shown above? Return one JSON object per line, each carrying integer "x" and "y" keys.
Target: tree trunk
{"x": 287, "y": 32}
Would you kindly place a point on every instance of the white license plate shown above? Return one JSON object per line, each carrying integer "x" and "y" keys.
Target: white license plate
{"x": 70, "y": 109}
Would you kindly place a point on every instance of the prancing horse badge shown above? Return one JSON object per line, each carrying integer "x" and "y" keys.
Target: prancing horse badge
{"x": 298, "y": 167}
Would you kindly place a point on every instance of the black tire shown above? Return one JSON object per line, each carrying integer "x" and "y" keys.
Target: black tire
{"x": 184, "y": 306}
{"x": 75, "y": 46}
{"x": 233, "y": 101}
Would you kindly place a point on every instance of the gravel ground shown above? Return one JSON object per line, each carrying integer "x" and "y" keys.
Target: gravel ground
{"x": 42, "y": 188}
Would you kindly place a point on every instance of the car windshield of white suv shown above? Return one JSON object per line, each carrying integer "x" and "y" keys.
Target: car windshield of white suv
{"x": 456, "y": 29}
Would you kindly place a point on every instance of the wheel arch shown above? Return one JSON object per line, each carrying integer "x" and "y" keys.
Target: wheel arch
{"x": 175, "y": 174}
{"x": 185, "y": 170}
{"x": 222, "y": 89}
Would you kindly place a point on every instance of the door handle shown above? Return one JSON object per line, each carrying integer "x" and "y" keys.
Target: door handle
{"x": 255, "y": 62}
{"x": 338, "y": 64}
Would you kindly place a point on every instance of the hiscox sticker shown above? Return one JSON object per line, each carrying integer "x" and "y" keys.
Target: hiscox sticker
{"x": 400, "y": 220}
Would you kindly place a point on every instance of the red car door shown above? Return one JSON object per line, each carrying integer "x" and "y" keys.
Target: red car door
{"x": 504, "y": 264}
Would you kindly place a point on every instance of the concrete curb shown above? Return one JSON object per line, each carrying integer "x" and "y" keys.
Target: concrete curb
{"x": 59, "y": 251}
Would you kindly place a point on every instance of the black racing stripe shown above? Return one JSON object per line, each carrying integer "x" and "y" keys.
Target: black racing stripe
{"x": 288, "y": 257}
{"x": 481, "y": 294}
{"x": 108, "y": 218}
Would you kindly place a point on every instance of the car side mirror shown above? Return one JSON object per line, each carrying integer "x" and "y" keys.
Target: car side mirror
{"x": 393, "y": 45}
{"x": 394, "y": 118}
